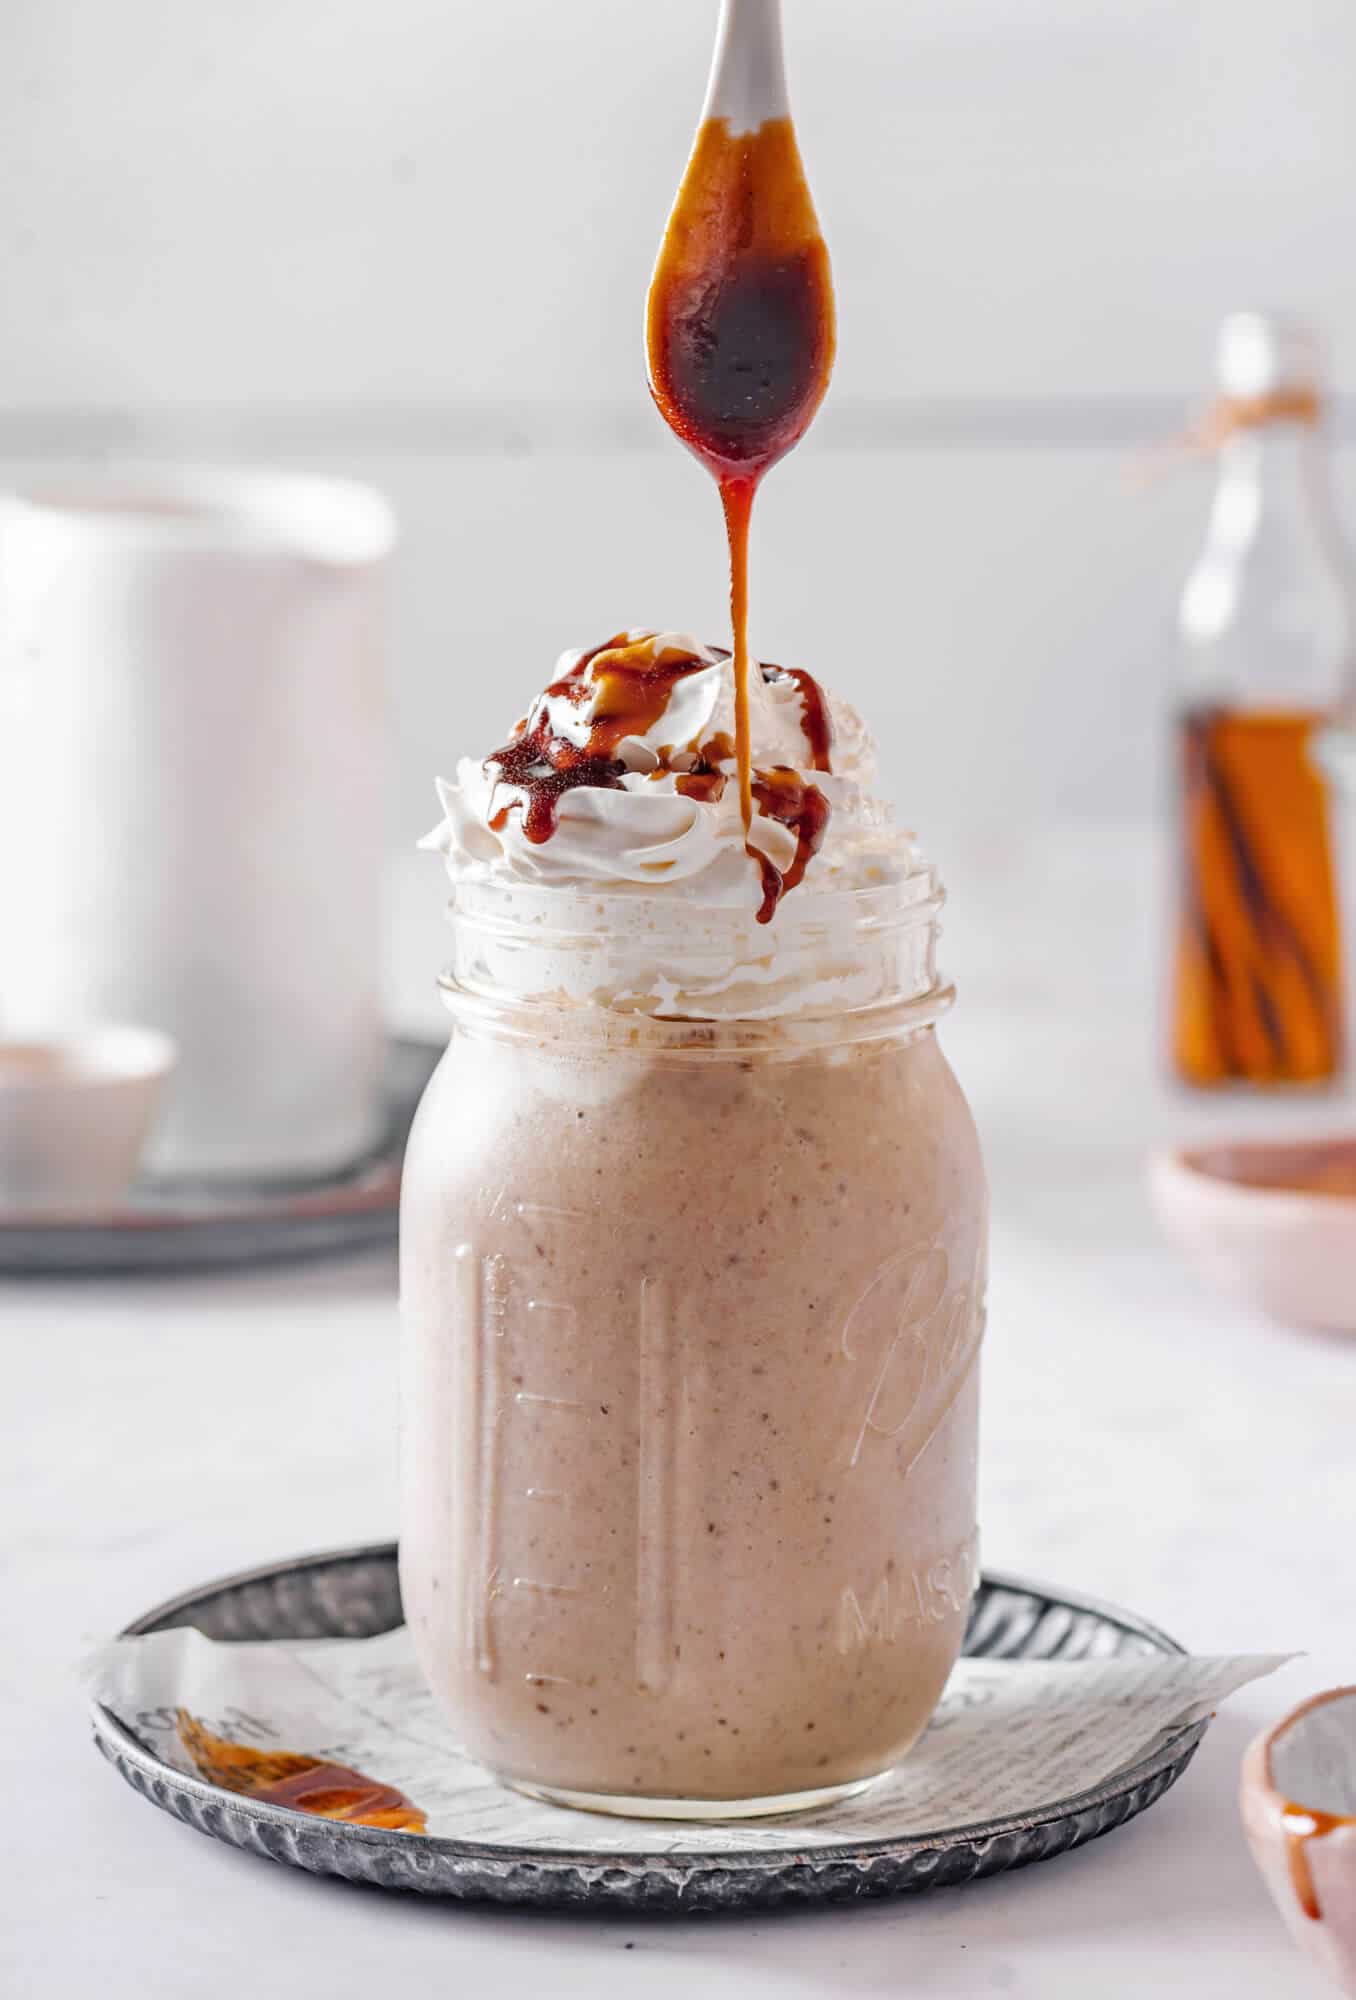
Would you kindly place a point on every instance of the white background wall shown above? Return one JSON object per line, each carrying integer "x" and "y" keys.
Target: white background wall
{"x": 400, "y": 200}
{"x": 412, "y": 240}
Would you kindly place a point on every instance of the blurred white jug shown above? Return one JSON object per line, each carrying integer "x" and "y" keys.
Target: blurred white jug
{"x": 192, "y": 757}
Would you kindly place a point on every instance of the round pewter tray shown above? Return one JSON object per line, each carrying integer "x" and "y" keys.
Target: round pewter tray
{"x": 354, "y": 1593}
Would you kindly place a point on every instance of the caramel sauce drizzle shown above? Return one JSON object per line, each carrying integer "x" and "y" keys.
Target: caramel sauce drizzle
{"x": 305, "y": 1784}
{"x": 1302, "y": 1824}
{"x": 740, "y": 340}
{"x": 629, "y": 689}
{"x": 700, "y": 783}
{"x": 784, "y": 795}
{"x": 814, "y": 715}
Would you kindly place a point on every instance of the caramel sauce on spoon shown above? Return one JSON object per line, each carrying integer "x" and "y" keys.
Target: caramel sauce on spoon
{"x": 740, "y": 342}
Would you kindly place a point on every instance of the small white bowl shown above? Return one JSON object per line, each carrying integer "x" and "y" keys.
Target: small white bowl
{"x": 75, "y": 1113}
{"x": 1298, "y": 1799}
{"x": 1289, "y": 1250}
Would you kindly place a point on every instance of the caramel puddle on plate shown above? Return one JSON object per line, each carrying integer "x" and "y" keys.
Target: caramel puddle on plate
{"x": 290, "y": 1778}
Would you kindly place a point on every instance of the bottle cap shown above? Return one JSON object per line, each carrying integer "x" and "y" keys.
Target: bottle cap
{"x": 1265, "y": 354}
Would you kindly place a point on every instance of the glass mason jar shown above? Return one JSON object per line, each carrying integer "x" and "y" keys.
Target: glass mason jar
{"x": 693, "y": 1257}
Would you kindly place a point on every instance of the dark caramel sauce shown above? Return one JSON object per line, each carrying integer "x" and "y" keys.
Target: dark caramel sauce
{"x": 526, "y": 763}
{"x": 814, "y": 717}
{"x": 630, "y": 689}
{"x": 306, "y": 1784}
{"x": 702, "y": 783}
{"x": 740, "y": 337}
{"x": 783, "y": 795}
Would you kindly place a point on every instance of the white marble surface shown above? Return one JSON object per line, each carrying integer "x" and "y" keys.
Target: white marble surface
{"x": 1142, "y": 1441}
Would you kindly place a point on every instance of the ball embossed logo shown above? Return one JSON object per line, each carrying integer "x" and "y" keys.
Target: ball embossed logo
{"x": 915, "y": 1334}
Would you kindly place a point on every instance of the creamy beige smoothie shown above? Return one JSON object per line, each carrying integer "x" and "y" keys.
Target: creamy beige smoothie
{"x": 693, "y": 1265}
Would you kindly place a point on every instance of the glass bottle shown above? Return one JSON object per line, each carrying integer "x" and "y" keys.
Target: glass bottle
{"x": 1267, "y": 632}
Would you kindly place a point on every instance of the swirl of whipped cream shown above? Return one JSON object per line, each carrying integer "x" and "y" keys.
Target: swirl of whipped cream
{"x": 622, "y": 776}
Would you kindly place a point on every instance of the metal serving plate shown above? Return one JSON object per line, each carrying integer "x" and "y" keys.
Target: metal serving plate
{"x": 354, "y": 1593}
{"x": 189, "y": 1225}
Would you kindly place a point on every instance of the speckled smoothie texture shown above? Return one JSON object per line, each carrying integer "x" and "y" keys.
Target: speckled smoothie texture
{"x": 690, "y": 1406}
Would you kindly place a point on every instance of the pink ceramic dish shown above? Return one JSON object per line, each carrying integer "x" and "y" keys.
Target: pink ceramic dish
{"x": 1299, "y": 1812}
{"x": 1275, "y": 1225}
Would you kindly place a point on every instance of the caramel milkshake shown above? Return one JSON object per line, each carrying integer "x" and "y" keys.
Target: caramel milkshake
{"x": 693, "y": 1257}
{"x": 693, "y": 1240}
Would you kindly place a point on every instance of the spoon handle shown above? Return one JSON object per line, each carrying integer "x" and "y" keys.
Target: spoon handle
{"x": 748, "y": 72}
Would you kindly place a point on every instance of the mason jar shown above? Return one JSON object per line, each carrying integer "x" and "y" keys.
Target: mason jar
{"x": 693, "y": 1257}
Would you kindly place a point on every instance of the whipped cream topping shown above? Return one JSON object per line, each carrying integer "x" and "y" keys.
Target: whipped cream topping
{"x": 621, "y": 779}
